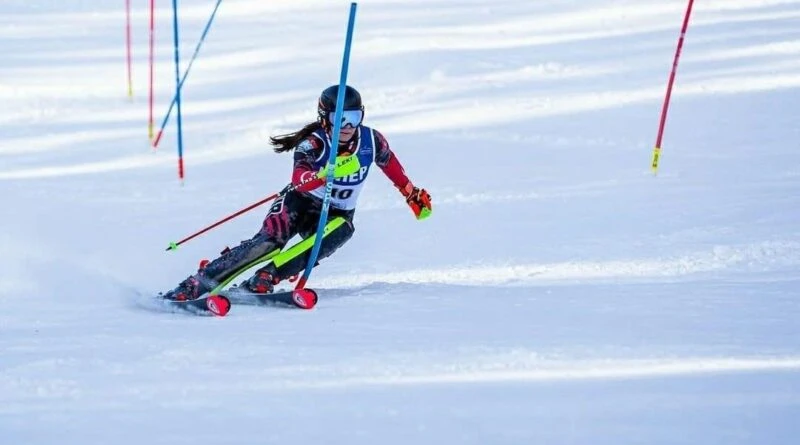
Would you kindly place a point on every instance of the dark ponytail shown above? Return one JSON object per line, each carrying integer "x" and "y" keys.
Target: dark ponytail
{"x": 287, "y": 142}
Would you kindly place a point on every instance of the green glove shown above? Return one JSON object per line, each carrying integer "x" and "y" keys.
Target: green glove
{"x": 345, "y": 166}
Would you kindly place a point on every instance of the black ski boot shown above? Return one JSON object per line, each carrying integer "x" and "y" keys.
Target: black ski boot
{"x": 262, "y": 282}
{"x": 190, "y": 289}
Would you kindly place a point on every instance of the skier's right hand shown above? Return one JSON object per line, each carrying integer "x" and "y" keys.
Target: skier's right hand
{"x": 345, "y": 166}
{"x": 307, "y": 180}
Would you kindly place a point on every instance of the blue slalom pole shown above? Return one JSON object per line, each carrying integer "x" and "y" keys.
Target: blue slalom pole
{"x": 178, "y": 86}
{"x": 337, "y": 126}
{"x": 186, "y": 73}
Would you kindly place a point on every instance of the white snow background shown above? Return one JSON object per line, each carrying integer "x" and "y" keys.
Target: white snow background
{"x": 559, "y": 294}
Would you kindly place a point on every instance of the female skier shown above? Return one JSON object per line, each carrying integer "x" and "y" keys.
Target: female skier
{"x": 297, "y": 210}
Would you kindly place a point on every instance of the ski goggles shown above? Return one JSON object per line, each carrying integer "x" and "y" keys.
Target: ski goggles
{"x": 353, "y": 118}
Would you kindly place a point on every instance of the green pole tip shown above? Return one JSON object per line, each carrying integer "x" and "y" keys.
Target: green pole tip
{"x": 172, "y": 246}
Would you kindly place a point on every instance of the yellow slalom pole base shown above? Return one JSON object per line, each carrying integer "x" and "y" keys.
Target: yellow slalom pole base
{"x": 656, "y": 156}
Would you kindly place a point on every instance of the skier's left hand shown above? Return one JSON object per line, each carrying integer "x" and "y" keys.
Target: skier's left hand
{"x": 418, "y": 199}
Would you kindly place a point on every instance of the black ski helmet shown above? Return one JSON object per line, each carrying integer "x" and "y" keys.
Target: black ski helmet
{"x": 327, "y": 101}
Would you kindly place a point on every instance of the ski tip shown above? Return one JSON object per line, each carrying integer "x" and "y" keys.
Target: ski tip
{"x": 305, "y": 298}
{"x": 218, "y": 305}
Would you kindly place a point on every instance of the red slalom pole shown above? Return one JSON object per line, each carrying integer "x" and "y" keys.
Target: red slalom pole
{"x": 174, "y": 245}
{"x": 344, "y": 167}
{"x": 152, "y": 66}
{"x": 128, "y": 46}
{"x": 309, "y": 185}
{"x": 665, "y": 107}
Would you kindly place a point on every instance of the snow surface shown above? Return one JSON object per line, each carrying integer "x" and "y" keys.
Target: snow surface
{"x": 560, "y": 294}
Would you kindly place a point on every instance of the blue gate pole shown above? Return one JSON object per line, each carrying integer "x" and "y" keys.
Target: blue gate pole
{"x": 178, "y": 86}
{"x": 186, "y": 74}
{"x": 337, "y": 126}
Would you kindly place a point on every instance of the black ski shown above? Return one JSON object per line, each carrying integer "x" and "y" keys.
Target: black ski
{"x": 301, "y": 298}
{"x": 218, "y": 305}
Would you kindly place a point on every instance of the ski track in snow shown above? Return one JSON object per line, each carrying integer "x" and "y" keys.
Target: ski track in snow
{"x": 497, "y": 369}
{"x": 756, "y": 257}
{"x": 541, "y": 372}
